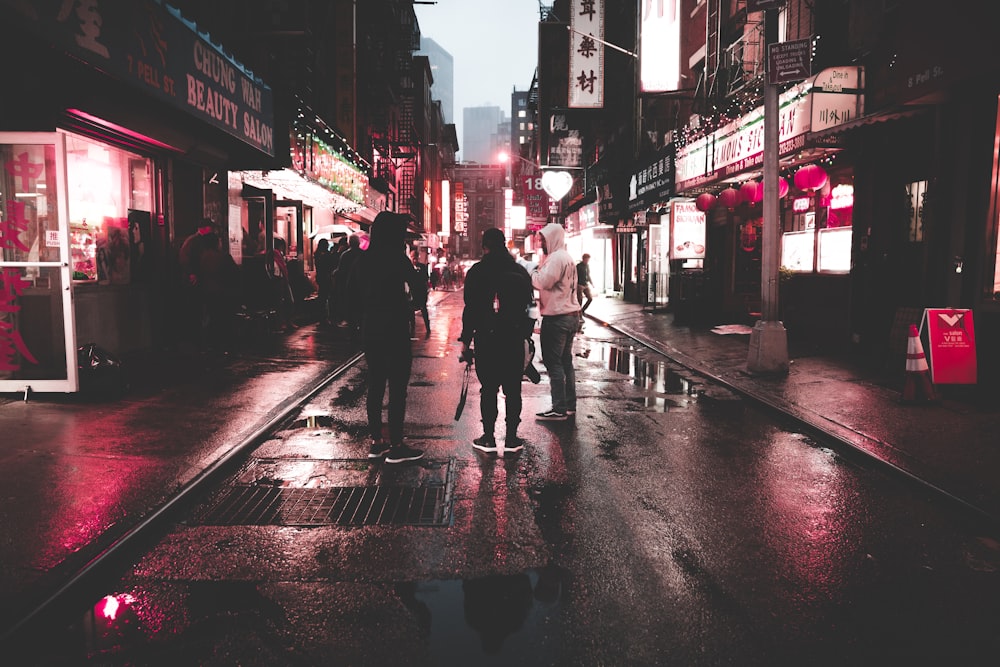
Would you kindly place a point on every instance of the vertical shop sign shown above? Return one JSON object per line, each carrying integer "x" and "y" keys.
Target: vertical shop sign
{"x": 952, "y": 345}
{"x": 687, "y": 230}
{"x": 586, "y": 54}
{"x": 536, "y": 201}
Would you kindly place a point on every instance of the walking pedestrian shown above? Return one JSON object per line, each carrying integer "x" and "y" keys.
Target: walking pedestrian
{"x": 379, "y": 305}
{"x": 583, "y": 282}
{"x": 555, "y": 278}
{"x": 341, "y": 275}
{"x": 324, "y": 260}
{"x": 194, "y": 307}
{"x": 495, "y": 319}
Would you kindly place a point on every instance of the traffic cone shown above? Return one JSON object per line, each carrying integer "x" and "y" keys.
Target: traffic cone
{"x": 918, "y": 387}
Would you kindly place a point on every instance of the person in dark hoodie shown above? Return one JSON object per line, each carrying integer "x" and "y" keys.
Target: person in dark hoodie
{"x": 378, "y": 290}
{"x": 497, "y": 297}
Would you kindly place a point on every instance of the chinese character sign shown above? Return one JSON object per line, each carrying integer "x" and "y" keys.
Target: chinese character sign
{"x": 12, "y": 346}
{"x": 586, "y": 54}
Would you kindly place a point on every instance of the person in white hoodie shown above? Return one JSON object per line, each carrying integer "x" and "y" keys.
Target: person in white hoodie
{"x": 555, "y": 278}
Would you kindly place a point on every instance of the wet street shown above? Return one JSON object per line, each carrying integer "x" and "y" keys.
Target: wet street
{"x": 670, "y": 523}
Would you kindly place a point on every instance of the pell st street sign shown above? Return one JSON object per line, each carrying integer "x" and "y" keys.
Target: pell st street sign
{"x": 789, "y": 61}
{"x": 761, "y": 5}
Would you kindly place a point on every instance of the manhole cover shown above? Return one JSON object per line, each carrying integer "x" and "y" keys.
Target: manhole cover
{"x": 427, "y": 503}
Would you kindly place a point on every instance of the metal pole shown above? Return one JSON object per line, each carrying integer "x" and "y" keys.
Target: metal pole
{"x": 768, "y": 351}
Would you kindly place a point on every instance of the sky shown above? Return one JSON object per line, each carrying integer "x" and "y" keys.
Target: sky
{"x": 494, "y": 44}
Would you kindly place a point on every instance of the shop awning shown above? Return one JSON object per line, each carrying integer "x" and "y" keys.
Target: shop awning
{"x": 294, "y": 186}
{"x": 870, "y": 119}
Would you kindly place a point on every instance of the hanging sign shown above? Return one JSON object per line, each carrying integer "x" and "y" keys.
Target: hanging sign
{"x": 687, "y": 230}
{"x": 586, "y": 54}
{"x": 952, "y": 345}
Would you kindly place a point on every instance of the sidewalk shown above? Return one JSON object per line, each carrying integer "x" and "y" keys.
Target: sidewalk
{"x": 952, "y": 445}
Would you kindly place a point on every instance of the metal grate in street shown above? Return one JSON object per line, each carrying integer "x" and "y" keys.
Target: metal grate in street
{"x": 336, "y": 506}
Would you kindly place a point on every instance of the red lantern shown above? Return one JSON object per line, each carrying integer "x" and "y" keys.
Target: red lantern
{"x": 705, "y": 201}
{"x": 810, "y": 178}
{"x": 782, "y": 188}
{"x": 752, "y": 192}
{"x": 730, "y": 198}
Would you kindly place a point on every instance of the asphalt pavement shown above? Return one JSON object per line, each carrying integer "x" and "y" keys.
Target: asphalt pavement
{"x": 80, "y": 471}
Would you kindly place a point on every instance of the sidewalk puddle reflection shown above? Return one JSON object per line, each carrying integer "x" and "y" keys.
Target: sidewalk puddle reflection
{"x": 497, "y": 619}
{"x": 655, "y": 377}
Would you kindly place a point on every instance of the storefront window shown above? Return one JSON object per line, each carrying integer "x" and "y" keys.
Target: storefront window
{"x": 915, "y": 194}
{"x": 105, "y": 184}
{"x": 818, "y": 228}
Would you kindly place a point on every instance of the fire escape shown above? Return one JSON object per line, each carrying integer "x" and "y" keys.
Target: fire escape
{"x": 404, "y": 150}
{"x": 734, "y": 58}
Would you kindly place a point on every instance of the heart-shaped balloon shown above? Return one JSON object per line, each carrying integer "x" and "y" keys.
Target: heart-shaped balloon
{"x": 556, "y": 183}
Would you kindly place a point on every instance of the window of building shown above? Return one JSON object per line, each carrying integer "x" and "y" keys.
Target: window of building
{"x": 818, "y": 228}
{"x": 105, "y": 185}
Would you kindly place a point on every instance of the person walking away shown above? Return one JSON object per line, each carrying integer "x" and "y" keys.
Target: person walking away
{"x": 341, "y": 277}
{"x": 324, "y": 259}
{"x": 556, "y": 282}
{"x": 220, "y": 285}
{"x": 195, "y": 316}
{"x": 377, "y": 289}
{"x": 283, "y": 287}
{"x": 420, "y": 297}
{"x": 497, "y": 295}
{"x": 584, "y": 283}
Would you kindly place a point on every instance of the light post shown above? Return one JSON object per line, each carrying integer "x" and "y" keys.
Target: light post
{"x": 768, "y": 352}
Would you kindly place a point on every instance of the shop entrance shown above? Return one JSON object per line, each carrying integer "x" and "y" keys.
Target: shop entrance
{"x": 37, "y": 329}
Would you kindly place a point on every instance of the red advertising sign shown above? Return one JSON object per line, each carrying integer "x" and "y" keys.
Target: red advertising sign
{"x": 536, "y": 202}
{"x": 951, "y": 345}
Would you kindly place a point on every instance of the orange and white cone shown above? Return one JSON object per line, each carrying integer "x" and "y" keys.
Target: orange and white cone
{"x": 918, "y": 387}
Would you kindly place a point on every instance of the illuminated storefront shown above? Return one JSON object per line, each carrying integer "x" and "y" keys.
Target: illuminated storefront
{"x": 816, "y": 200}
{"x": 101, "y": 180}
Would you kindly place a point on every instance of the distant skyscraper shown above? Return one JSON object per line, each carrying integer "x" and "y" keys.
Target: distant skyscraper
{"x": 479, "y": 134}
{"x": 521, "y": 123}
{"x": 443, "y": 71}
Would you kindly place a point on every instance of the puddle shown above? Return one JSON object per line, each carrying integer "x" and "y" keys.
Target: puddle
{"x": 658, "y": 377}
{"x": 493, "y": 620}
{"x": 498, "y": 619}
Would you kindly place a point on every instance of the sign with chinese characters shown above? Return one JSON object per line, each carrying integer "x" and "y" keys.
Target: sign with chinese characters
{"x": 149, "y": 46}
{"x": 952, "y": 345}
{"x": 586, "y": 54}
{"x": 837, "y": 97}
{"x": 653, "y": 182}
{"x": 565, "y": 143}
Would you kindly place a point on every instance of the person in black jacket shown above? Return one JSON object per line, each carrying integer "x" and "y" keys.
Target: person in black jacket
{"x": 497, "y": 296}
{"x": 380, "y": 307}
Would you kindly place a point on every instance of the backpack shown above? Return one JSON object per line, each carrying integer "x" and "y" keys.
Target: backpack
{"x": 512, "y": 298}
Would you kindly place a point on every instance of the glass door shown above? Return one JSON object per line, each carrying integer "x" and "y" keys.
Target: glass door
{"x": 37, "y": 332}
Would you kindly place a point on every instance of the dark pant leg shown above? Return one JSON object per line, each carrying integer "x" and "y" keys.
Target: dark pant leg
{"x": 378, "y": 374}
{"x": 400, "y": 366}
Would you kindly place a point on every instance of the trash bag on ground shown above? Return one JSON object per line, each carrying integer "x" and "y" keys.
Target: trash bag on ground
{"x": 100, "y": 371}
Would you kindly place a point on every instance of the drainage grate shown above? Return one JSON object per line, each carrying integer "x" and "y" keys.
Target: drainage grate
{"x": 336, "y": 506}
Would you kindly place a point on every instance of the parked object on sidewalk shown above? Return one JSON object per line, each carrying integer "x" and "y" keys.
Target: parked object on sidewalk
{"x": 918, "y": 387}
{"x": 100, "y": 371}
